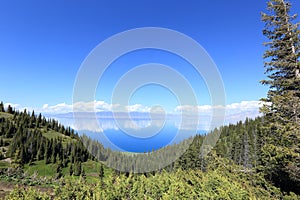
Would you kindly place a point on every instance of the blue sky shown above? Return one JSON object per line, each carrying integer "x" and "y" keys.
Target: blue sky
{"x": 43, "y": 44}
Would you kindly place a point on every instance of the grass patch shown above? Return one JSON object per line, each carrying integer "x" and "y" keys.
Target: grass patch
{"x": 90, "y": 167}
{"x": 4, "y": 164}
{"x": 5, "y": 115}
{"x": 51, "y": 134}
{"x": 41, "y": 168}
{"x": 93, "y": 167}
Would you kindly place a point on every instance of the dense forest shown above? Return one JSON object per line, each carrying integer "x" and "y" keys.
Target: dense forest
{"x": 235, "y": 169}
{"x": 254, "y": 159}
{"x": 26, "y": 138}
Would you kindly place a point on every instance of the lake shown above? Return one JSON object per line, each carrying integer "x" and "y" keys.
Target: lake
{"x": 137, "y": 134}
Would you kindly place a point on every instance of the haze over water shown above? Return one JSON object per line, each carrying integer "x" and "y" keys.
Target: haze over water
{"x": 135, "y": 134}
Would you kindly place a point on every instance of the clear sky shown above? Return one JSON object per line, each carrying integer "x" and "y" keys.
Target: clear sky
{"x": 43, "y": 43}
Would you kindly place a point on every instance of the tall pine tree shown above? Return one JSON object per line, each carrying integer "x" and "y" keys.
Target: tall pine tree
{"x": 282, "y": 105}
{"x": 2, "y": 107}
{"x": 282, "y": 63}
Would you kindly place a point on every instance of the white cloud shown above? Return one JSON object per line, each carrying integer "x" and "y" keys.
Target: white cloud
{"x": 15, "y": 106}
{"x": 233, "y": 112}
{"x": 59, "y": 108}
{"x": 93, "y": 106}
{"x": 230, "y": 109}
{"x": 99, "y": 106}
{"x": 137, "y": 108}
{"x": 243, "y": 106}
{"x": 192, "y": 110}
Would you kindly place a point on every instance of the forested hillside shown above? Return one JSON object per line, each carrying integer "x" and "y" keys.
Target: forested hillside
{"x": 27, "y": 138}
{"x": 254, "y": 159}
{"x": 233, "y": 170}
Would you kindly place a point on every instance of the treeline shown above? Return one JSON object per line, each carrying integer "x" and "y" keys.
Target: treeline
{"x": 246, "y": 144}
{"x": 257, "y": 159}
{"x": 241, "y": 143}
{"x": 22, "y": 136}
{"x": 233, "y": 170}
{"x": 137, "y": 162}
{"x": 31, "y": 121}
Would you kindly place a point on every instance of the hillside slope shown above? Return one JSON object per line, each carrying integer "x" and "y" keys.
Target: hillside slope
{"x": 48, "y": 158}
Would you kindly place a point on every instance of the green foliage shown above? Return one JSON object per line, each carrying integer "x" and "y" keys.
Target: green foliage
{"x": 2, "y": 107}
{"x": 257, "y": 159}
{"x": 42, "y": 169}
{"x": 224, "y": 182}
{"x": 29, "y": 138}
{"x": 77, "y": 168}
{"x": 280, "y": 156}
{"x": 5, "y": 115}
{"x": 276, "y": 163}
{"x": 27, "y": 193}
{"x": 71, "y": 170}
{"x": 10, "y": 110}
{"x": 59, "y": 173}
{"x": 191, "y": 176}
{"x": 101, "y": 173}
{"x": 282, "y": 61}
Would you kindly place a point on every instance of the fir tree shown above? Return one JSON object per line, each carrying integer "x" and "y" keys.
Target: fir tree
{"x": 101, "y": 172}
{"x": 282, "y": 63}
{"x": 59, "y": 173}
{"x": 77, "y": 168}
{"x": 9, "y": 110}
{"x": 83, "y": 175}
{"x": 2, "y": 107}
{"x": 71, "y": 170}
{"x": 282, "y": 108}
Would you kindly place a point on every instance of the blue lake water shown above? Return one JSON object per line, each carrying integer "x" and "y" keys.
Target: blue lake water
{"x": 122, "y": 141}
{"x": 142, "y": 137}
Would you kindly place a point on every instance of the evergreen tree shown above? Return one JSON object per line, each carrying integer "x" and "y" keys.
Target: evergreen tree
{"x": 59, "y": 173}
{"x": 101, "y": 172}
{"x": 17, "y": 162}
{"x": 32, "y": 120}
{"x": 38, "y": 120}
{"x": 282, "y": 108}
{"x": 83, "y": 175}
{"x": 77, "y": 168}
{"x": 71, "y": 169}
{"x": 2, "y": 107}
{"x": 48, "y": 152}
{"x": 9, "y": 109}
{"x": 282, "y": 63}
{"x": 41, "y": 152}
{"x": 53, "y": 158}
